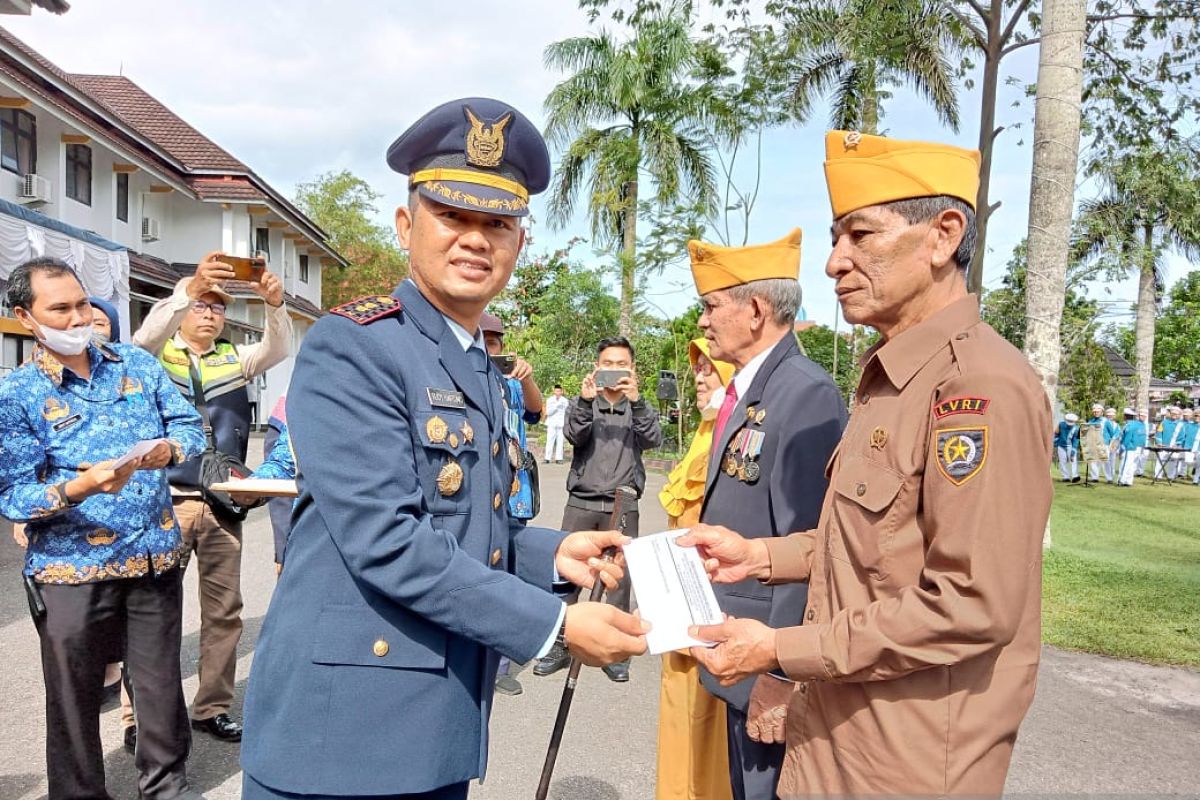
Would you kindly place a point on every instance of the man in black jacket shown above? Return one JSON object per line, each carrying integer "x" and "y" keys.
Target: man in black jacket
{"x": 609, "y": 427}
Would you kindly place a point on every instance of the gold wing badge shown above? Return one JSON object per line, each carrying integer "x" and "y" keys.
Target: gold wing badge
{"x": 485, "y": 141}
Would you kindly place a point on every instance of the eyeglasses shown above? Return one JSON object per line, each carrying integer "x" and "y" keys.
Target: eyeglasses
{"x": 703, "y": 367}
{"x": 199, "y": 306}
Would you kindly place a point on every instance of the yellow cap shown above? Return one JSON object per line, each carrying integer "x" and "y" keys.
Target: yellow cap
{"x": 716, "y": 267}
{"x": 700, "y": 346}
{"x": 864, "y": 170}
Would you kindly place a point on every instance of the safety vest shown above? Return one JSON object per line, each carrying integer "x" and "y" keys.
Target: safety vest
{"x": 225, "y": 394}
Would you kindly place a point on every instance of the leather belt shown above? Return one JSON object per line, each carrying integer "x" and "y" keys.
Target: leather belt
{"x": 605, "y": 506}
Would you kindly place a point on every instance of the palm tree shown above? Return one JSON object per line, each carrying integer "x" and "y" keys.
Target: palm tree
{"x": 858, "y": 50}
{"x": 1151, "y": 208}
{"x": 626, "y": 108}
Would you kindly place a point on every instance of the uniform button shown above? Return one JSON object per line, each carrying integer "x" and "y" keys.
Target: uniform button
{"x": 496, "y": 501}
{"x": 803, "y": 688}
{"x": 812, "y": 614}
{"x": 495, "y": 449}
{"x": 495, "y": 556}
{"x": 380, "y": 648}
{"x": 861, "y": 489}
{"x": 864, "y": 398}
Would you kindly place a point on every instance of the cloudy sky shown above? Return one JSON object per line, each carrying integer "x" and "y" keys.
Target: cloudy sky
{"x": 298, "y": 89}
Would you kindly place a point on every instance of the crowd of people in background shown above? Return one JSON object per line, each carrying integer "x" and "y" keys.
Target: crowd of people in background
{"x": 1166, "y": 448}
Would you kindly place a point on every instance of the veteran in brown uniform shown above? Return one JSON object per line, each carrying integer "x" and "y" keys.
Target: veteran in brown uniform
{"x": 919, "y": 650}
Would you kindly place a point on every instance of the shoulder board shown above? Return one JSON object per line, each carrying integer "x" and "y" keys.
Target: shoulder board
{"x": 368, "y": 309}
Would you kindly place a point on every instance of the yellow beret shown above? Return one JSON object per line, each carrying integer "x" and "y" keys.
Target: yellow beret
{"x": 716, "y": 267}
{"x": 864, "y": 170}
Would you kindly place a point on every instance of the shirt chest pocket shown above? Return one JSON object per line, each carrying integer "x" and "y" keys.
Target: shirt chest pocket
{"x": 866, "y": 507}
{"x": 447, "y": 455}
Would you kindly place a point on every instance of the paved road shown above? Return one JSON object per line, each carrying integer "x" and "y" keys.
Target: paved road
{"x": 1098, "y": 726}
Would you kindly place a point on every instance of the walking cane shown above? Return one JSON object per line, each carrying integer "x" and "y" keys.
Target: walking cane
{"x": 622, "y": 497}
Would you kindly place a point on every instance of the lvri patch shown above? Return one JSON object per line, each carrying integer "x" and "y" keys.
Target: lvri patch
{"x": 961, "y": 452}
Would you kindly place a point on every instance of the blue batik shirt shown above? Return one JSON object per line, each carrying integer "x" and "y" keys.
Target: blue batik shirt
{"x": 280, "y": 463}
{"x": 52, "y": 424}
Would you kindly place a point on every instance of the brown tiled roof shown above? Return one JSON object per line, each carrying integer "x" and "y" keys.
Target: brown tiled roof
{"x": 225, "y": 188}
{"x": 152, "y": 269}
{"x": 303, "y": 306}
{"x": 137, "y": 109}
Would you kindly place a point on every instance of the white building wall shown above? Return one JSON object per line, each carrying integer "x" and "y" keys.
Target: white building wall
{"x": 195, "y": 229}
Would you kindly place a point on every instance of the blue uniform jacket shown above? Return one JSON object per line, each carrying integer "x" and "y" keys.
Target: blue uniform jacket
{"x": 1111, "y": 430}
{"x": 1134, "y": 435}
{"x": 375, "y": 666}
{"x": 803, "y": 415}
{"x": 1066, "y": 435}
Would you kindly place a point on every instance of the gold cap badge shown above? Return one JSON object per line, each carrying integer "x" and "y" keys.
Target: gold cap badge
{"x": 485, "y": 141}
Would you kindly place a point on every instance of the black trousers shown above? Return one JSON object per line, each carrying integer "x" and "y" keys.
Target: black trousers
{"x": 77, "y": 634}
{"x": 580, "y": 519}
{"x": 753, "y": 766}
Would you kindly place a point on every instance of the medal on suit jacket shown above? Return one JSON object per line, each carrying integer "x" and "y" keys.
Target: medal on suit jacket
{"x": 753, "y": 470}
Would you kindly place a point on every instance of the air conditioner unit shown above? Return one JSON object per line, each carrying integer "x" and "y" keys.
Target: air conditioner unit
{"x": 149, "y": 229}
{"x": 35, "y": 189}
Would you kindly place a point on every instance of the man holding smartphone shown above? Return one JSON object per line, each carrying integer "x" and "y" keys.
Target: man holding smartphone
{"x": 184, "y": 332}
{"x": 609, "y": 426}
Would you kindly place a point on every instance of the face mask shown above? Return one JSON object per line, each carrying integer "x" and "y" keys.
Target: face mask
{"x": 100, "y": 338}
{"x": 70, "y": 342}
{"x": 713, "y": 409}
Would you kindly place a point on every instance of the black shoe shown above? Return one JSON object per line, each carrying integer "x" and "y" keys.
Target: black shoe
{"x": 131, "y": 739}
{"x": 507, "y": 684}
{"x": 1075, "y": 479}
{"x": 618, "y": 672}
{"x": 559, "y": 461}
{"x": 221, "y": 727}
{"x": 558, "y": 658}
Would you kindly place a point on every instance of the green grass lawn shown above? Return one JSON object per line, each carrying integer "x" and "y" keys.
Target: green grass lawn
{"x": 1123, "y": 575}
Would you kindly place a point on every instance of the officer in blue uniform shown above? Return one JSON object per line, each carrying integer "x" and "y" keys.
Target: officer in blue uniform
{"x": 406, "y": 577}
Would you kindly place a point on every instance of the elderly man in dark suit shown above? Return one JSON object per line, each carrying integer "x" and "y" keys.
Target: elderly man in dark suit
{"x": 407, "y": 577}
{"x": 780, "y": 420}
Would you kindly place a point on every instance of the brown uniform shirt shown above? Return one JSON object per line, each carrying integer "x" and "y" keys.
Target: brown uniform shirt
{"x": 919, "y": 652}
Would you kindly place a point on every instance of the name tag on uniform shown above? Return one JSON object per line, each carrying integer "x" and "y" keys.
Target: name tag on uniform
{"x": 445, "y": 398}
{"x": 62, "y": 425}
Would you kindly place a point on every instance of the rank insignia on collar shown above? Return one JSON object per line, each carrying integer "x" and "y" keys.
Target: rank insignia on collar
{"x": 960, "y": 405}
{"x": 961, "y": 452}
{"x": 368, "y": 309}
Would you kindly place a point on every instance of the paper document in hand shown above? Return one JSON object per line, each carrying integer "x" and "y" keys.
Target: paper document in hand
{"x": 672, "y": 588}
{"x": 137, "y": 451}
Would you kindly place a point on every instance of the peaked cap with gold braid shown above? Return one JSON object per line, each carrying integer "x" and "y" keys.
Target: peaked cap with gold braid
{"x": 864, "y": 170}
{"x": 475, "y": 153}
{"x": 716, "y": 267}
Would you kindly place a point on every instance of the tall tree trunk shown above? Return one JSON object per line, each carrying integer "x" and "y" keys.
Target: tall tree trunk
{"x": 1052, "y": 192}
{"x": 1147, "y": 307}
{"x": 987, "y": 138}
{"x": 629, "y": 257}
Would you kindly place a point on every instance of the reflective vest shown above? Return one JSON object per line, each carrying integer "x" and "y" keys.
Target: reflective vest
{"x": 225, "y": 394}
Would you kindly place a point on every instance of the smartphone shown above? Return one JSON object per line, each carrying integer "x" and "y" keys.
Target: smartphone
{"x": 246, "y": 269}
{"x": 608, "y": 378}
{"x": 505, "y": 363}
